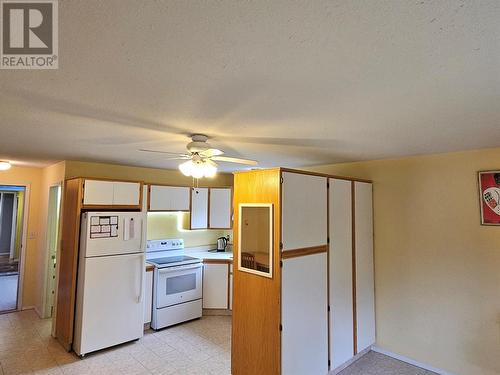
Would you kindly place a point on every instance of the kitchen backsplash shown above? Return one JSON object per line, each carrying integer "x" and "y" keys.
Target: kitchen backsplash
{"x": 170, "y": 225}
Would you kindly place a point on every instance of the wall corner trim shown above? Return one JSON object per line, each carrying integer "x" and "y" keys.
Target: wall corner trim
{"x": 410, "y": 361}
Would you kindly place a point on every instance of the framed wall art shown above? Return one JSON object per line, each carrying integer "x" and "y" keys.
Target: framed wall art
{"x": 489, "y": 195}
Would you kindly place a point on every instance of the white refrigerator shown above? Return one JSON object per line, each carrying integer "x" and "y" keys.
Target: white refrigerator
{"x": 111, "y": 272}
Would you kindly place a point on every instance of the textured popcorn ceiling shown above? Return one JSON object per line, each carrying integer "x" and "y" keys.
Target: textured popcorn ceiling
{"x": 288, "y": 83}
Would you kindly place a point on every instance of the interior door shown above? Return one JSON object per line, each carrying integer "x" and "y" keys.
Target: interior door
{"x": 110, "y": 304}
{"x": 365, "y": 289}
{"x": 7, "y": 222}
{"x": 304, "y": 211}
{"x": 52, "y": 243}
{"x": 340, "y": 263}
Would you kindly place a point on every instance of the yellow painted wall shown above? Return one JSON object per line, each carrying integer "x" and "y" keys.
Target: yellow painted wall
{"x": 30, "y": 177}
{"x": 437, "y": 270}
{"x": 170, "y": 225}
{"x": 160, "y": 225}
{"x": 148, "y": 175}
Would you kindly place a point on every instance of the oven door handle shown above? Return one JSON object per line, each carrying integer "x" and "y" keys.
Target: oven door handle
{"x": 179, "y": 268}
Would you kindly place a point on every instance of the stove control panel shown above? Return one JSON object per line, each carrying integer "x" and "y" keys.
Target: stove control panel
{"x": 166, "y": 244}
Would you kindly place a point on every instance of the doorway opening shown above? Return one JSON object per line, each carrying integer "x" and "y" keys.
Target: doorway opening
{"x": 54, "y": 210}
{"x": 11, "y": 227}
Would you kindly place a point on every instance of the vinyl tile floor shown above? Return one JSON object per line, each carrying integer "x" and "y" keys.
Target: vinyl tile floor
{"x": 200, "y": 347}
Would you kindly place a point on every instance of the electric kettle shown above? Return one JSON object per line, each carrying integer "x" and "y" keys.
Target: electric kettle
{"x": 221, "y": 244}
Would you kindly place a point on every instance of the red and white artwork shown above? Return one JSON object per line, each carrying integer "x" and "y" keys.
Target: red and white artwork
{"x": 489, "y": 189}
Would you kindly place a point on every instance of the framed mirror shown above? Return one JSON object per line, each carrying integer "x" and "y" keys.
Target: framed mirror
{"x": 255, "y": 233}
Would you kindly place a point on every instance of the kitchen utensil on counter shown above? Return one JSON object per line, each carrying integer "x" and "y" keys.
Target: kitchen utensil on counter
{"x": 221, "y": 244}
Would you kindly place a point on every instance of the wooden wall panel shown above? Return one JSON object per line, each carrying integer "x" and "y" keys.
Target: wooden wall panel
{"x": 256, "y": 339}
{"x": 68, "y": 262}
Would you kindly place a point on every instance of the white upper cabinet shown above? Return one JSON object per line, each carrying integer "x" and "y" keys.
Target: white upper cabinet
{"x": 111, "y": 193}
{"x": 220, "y": 208}
{"x": 199, "y": 208}
{"x": 169, "y": 198}
{"x": 98, "y": 192}
{"x": 126, "y": 193}
{"x": 365, "y": 289}
{"x": 304, "y": 211}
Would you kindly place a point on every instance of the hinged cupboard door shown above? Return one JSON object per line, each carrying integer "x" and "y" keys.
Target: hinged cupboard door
{"x": 199, "y": 208}
{"x": 365, "y": 289}
{"x": 304, "y": 211}
{"x": 340, "y": 263}
{"x": 304, "y": 316}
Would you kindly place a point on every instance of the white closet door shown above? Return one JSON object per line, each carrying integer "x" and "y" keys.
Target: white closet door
{"x": 304, "y": 211}
{"x": 199, "y": 208}
{"x": 304, "y": 339}
{"x": 341, "y": 297}
{"x": 365, "y": 290}
{"x": 220, "y": 208}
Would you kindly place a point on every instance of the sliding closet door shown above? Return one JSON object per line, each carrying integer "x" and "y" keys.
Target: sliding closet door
{"x": 365, "y": 290}
{"x": 341, "y": 292}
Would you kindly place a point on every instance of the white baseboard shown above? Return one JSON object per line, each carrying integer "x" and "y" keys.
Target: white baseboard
{"x": 410, "y": 361}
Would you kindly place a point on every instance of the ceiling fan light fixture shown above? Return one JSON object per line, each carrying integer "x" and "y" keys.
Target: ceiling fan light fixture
{"x": 5, "y": 165}
{"x": 198, "y": 169}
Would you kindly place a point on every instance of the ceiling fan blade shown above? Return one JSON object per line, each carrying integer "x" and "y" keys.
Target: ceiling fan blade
{"x": 165, "y": 152}
{"x": 211, "y": 152}
{"x": 235, "y": 160}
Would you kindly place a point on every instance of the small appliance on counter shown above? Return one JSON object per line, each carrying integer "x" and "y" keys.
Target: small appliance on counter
{"x": 222, "y": 244}
{"x": 177, "y": 285}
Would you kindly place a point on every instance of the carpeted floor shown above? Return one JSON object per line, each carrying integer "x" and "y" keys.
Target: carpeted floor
{"x": 8, "y": 292}
{"x": 378, "y": 364}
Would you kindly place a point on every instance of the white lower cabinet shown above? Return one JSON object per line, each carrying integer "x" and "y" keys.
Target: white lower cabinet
{"x": 231, "y": 289}
{"x": 148, "y": 297}
{"x": 304, "y": 338}
{"x": 215, "y": 286}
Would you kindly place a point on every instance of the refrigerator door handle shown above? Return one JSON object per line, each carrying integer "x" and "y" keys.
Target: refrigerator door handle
{"x": 141, "y": 277}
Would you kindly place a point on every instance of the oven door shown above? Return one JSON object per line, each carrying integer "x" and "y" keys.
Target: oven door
{"x": 178, "y": 284}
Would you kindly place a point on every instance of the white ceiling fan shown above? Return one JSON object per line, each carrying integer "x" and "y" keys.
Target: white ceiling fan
{"x": 201, "y": 158}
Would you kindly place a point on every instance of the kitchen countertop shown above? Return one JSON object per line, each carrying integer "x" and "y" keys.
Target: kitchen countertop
{"x": 211, "y": 255}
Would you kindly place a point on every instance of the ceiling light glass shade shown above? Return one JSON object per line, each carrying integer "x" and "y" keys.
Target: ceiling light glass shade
{"x": 5, "y": 165}
{"x": 198, "y": 169}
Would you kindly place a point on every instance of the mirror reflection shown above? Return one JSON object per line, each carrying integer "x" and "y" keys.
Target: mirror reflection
{"x": 255, "y": 239}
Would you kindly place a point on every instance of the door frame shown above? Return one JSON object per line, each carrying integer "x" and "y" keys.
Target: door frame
{"x": 22, "y": 260}
{"x": 47, "y": 251}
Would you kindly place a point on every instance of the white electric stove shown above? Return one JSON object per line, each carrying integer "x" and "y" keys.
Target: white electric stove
{"x": 177, "y": 285}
